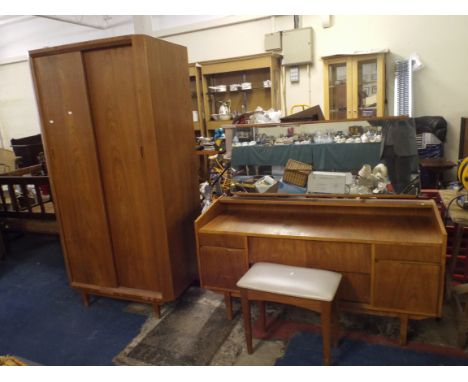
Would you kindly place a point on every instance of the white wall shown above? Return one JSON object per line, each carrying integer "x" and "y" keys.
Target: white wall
{"x": 440, "y": 87}
{"x": 18, "y": 109}
{"x": 18, "y": 113}
{"x": 30, "y": 32}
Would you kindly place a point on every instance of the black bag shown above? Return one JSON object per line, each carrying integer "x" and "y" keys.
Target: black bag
{"x": 434, "y": 125}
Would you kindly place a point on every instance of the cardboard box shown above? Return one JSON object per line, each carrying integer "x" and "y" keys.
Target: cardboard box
{"x": 267, "y": 184}
{"x": 328, "y": 182}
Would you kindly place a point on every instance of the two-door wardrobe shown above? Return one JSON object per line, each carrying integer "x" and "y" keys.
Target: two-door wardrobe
{"x": 117, "y": 130}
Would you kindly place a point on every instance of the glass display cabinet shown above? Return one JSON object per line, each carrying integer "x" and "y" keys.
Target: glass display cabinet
{"x": 354, "y": 86}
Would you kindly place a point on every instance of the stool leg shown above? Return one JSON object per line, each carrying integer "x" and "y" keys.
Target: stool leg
{"x": 246, "y": 316}
{"x": 403, "y": 329}
{"x": 228, "y": 303}
{"x": 325, "y": 318}
{"x": 336, "y": 325}
{"x": 262, "y": 315}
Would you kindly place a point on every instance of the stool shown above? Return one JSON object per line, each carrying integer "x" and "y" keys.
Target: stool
{"x": 308, "y": 288}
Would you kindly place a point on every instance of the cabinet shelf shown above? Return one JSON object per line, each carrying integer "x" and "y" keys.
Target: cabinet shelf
{"x": 213, "y": 125}
{"x": 238, "y": 91}
{"x": 336, "y": 85}
{"x": 367, "y": 83}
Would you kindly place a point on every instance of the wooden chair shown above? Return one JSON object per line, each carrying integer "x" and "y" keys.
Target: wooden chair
{"x": 308, "y": 288}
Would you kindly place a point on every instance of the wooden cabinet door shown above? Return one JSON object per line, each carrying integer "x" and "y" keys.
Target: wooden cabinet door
{"x": 338, "y": 89}
{"x": 113, "y": 99}
{"x": 369, "y": 86}
{"x": 407, "y": 286}
{"x": 73, "y": 167}
{"x": 222, "y": 267}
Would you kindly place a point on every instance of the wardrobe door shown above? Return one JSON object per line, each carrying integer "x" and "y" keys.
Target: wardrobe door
{"x": 73, "y": 167}
{"x": 113, "y": 100}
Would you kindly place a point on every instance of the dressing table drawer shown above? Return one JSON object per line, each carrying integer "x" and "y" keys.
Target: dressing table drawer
{"x": 227, "y": 241}
{"x": 222, "y": 267}
{"x": 334, "y": 256}
{"x": 423, "y": 253}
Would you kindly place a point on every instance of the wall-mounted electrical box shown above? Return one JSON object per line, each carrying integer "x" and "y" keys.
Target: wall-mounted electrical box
{"x": 297, "y": 46}
{"x": 273, "y": 41}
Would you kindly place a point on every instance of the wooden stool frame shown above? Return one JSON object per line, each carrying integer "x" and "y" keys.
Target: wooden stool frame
{"x": 327, "y": 309}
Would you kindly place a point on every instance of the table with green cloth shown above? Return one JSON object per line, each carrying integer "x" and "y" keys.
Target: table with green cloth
{"x": 323, "y": 157}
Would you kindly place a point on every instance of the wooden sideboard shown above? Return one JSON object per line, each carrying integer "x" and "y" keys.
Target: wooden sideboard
{"x": 391, "y": 252}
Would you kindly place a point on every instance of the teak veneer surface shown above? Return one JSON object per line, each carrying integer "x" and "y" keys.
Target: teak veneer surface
{"x": 350, "y": 228}
{"x": 73, "y": 166}
{"x": 391, "y": 253}
{"x": 125, "y": 198}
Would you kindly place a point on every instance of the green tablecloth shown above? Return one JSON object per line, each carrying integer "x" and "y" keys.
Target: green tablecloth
{"x": 323, "y": 157}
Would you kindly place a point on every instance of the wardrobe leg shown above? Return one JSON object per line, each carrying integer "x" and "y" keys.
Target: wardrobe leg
{"x": 85, "y": 298}
{"x": 156, "y": 310}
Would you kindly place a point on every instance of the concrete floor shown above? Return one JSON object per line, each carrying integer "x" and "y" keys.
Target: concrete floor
{"x": 440, "y": 332}
{"x": 232, "y": 352}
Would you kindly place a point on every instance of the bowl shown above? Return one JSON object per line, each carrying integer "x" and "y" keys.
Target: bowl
{"x": 215, "y": 117}
{"x": 246, "y": 85}
{"x": 224, "y": 117}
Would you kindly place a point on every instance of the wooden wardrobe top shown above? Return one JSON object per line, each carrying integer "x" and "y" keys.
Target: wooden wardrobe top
{"x": 93, "y": 44}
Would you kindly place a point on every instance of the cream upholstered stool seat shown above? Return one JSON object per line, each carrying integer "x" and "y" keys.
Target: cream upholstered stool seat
{"x": 309, "y": 288}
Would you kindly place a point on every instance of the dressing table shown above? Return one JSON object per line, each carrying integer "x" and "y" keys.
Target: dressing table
{"x": 391, "y": 253}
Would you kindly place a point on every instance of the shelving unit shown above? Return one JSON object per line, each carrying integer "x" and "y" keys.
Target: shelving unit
{"x": 197, "y": 98}
{"x": 354, "y": 86}
{"x": 254, "y": 69}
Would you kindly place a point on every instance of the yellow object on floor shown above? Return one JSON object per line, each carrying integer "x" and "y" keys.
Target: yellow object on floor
{"x": 10, "y": 361}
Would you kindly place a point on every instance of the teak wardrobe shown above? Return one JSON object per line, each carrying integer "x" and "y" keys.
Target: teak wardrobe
{"x": 117, "y": 129}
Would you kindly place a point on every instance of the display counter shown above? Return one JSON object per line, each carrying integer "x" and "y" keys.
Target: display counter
{"x": 324, "y": 157}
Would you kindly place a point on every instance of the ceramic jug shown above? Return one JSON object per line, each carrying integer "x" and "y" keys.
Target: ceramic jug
{"x": 224, "y": 108}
